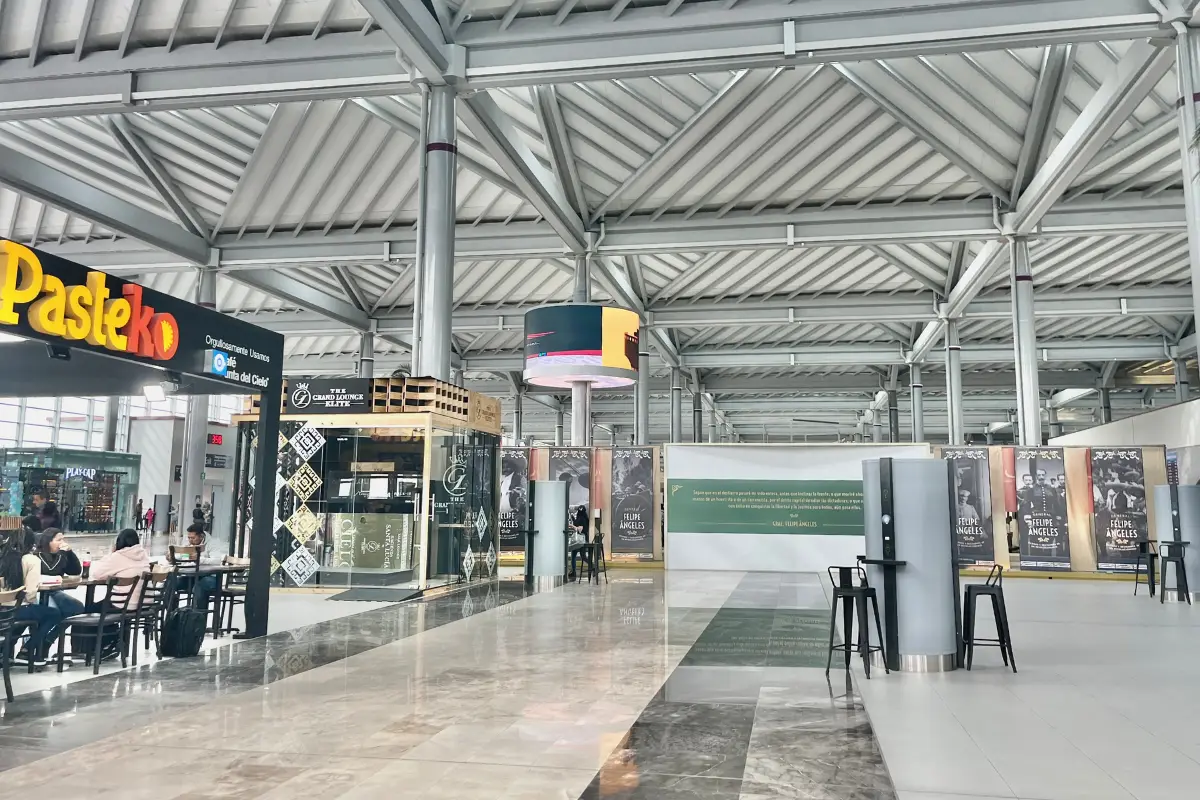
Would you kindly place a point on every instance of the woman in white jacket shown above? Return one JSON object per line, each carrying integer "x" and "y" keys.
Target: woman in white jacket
{"x": 128, "y": 559}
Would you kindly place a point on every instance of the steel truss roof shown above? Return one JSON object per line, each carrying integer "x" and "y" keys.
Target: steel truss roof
{"x": 795, "y": 195}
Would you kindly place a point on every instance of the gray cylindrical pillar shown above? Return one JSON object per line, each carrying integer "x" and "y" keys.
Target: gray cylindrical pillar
{"x": 422, "y": 219}
{"x": 195, "y": 432}
{"x": 518, "y": 416}
{"x": 676, "y": 405}
{"x": 917, "y": 390}
{"x": 1105, "y": 406}
{"x": 1182, "y": 390}
{"x": 1189, "y": 531}
{"x": 925, "y": 587}
{"x": 712, "y": 424}
{"x": 876, "y": 425}
{"x": 112, "y": 419}
{"x": 697, "y": 417}
{"x": 641, "y": 397}
{"x": 558, "y": 428}
{"x": 954, "y": 409}
{"x": 1025, "y": 344}
{"x": 366, "y": 355}
{"x": 581, "y": 413}
{"x": 1187, "y": 57}
{"x": 437, "y": 301}
{"x": 893, "y": 416}
{"x": 989, "y": 437}
{"x": 1053, "y": 426}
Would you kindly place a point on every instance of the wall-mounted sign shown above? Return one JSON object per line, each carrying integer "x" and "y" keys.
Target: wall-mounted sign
{"x": 216, "y": 461}
{"x": 317, "y": 396}
{"x": 52, "y": 299}
{"x": 87, "y": 473}
{"x": 216, "y": 438}
{"x": 372, "y": 466}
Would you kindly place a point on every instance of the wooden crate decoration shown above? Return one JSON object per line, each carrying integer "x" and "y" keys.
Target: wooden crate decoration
{"x": 439, "y": 397}
{"x": 483, "y": 413}
{"x": 387, "y": 395}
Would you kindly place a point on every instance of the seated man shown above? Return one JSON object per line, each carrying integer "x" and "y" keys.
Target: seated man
{"x": 205, "y": 584}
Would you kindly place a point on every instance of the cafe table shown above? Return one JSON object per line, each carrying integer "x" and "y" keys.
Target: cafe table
{"x": 220, "y": 570}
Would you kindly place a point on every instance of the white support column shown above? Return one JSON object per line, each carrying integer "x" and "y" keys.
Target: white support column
{"x": 697, "y": 415}
{"x": 1187, "y": 58}
{"x": 876, "y": 425}
{"x": 712, "y": 425}
{"x": 581, "y": 413}
{"x": 1182, "y": 390}
{"x": 195, "y": 435}
{"x": 112, "y": 422}
{"x": 1053, "y": 426}
{"x": 676, "y": 405}
{"x": 917, "y": 389}
{"x": 893, "y": 416}
{"x": 641, "y": 398}
{"x": 437, "y": 301}
{"x": 366, "y": 355}
{"x": 558, "y": 428}
{"x": 1025, "y": 344}
{"x": 954, "y": 409}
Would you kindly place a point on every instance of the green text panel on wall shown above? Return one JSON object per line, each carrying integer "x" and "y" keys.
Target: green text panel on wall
{"x": 813, "y": 508}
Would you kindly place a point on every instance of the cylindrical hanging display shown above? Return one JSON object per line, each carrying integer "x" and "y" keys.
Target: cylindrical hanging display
{"x": 577, "y": 343}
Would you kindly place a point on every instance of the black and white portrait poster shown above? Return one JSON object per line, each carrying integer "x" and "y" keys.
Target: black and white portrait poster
{"x": 973, "y": 499}
{"x": 514, "y": 497}
{"x": 633, "y": 500}
{"x": 574, "y": 465}
{"x": 1118, "y": 507}
{"x": 1042, "y": 509}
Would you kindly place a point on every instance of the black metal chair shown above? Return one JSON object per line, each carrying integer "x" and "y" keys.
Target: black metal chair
{"x": 157, "y": 589}
{"x": 598, "y": 563}
{"x": 1146, "y": 553}
{"x": 993, "y": 588}
{"x": 1173, "y": 553}
{"x": 186, "y": 560}
{"x": 854, "y": 598}
{"x": 9, "y": 603}
{"x": 117, "y": 611}
{"x": 233, "y": 593}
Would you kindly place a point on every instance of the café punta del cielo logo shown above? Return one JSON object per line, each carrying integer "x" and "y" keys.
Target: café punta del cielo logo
{"x": 87, "y": 313}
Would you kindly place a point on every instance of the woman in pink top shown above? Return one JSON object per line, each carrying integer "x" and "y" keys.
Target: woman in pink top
{"x": 128, "y": 559}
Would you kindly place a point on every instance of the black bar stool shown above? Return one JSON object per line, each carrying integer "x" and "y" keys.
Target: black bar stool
{"x": 854, "y": 599}
{"x": 993, "y": 588}
{"x": 1172, "y": 553}
{"x": 1147, "y": 554}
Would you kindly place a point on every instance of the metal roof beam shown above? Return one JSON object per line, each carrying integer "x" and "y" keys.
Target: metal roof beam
{"x": 53, "y": 187}
{"x": 416, "y": 32}
{"x": 154, "y": 173}
{"x": 305, "y": 297}
{"x": 503, "y": 142}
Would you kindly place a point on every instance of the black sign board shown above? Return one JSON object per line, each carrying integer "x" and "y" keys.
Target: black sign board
{"x": 333, "y": 396}
{"x": 633, "y": 500}
{"x": 50, "y": 299}
{"x": 216, "y": 461}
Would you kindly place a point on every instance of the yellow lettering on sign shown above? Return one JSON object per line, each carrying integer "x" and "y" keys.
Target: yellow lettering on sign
{"x": 79, "y": 321}
{"x": 48, "y": 315}
{"x": 116, "y": 314}
{"x": 99, "y": 294}
{"x": 18, "y": 262}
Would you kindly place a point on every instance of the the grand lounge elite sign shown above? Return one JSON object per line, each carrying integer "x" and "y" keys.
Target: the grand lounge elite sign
{"x": 314, "y": 396}
{"x": 50, "y": 299}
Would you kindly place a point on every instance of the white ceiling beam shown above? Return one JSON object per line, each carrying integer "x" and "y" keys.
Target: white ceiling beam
{"x": 58, "y": 189}
{"x": 158, "y": 178}
{"x": 416, "y": 32}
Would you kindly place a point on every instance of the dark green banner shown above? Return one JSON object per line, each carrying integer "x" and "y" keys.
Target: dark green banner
{"x": 805, "y": 508}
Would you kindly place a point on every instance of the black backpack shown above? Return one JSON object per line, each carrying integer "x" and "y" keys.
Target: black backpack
{"x": 183, "y": 632}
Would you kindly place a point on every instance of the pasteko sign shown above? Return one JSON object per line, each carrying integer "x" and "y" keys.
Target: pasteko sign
{"x": 58, "y": 301}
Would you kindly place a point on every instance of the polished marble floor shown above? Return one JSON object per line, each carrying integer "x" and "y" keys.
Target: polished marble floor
{"x": 665, "y": 686}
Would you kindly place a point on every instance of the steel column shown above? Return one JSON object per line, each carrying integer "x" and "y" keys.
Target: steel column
{"x": 642, "y": 400}
{"x": 1105, "y": 406}
{"x": 712, "y": 425}
{"x": 676, "y": 405}
{"x": 954, "y": 406}
{"x": 918, "y": 403}
{"x": 1187, "y": 56}
{"x": 1025, "y": 344}
{"x": 518, "y": 421}
{"x": 195, "y": 437}
{"x": 1053, "y": 426}
{"x": 112, "y": 419}
{"x": 581, "y": 413}
{"x": 415, "y": 367}
{"x": 1182, "y": 390}
{"x": 262, "y": 542}
{"x": 366, "y": 355}
{"x": 697, "y": 417}
{"x": 558, "y": 428}
{"x": 876, "y": 425}
{"x": 893, "y": 416}
{"x": 437, "y": 302}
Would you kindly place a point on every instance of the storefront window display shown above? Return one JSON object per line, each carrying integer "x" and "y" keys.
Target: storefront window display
{"x": 95, "y": 491}
{"x": 352, "y": 502}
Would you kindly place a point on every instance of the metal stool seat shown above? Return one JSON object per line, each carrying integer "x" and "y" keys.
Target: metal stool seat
{"x": 1173, "y": 553}
{"x": 993, "y": 588}
{"x": 1145, "y": 554}
{"x": 854, "y": 599}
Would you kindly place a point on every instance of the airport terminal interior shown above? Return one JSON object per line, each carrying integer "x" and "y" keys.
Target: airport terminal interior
{"x": 599, "y": 400}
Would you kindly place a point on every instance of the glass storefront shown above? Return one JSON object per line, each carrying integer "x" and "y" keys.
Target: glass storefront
{"x": 357, "y": 505}
{"x": 95, "y": 491}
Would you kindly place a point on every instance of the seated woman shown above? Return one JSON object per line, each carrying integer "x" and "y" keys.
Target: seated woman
{"x": 21, "y": 569}
{"x": 57, "y": 559}
{"x": 128, "y": 559}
